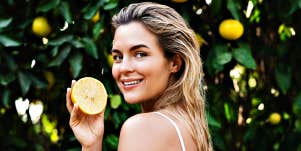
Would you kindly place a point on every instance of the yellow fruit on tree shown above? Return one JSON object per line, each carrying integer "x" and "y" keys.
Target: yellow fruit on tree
{"x": 179, "y": 1}
{"x": 274, "y": 118}
{"x": 90, "y": 95}
{"x": 110, "y": 60}
{"x": 96, "y": 17}
{"x": 40, "y": 26}
{"x": 231, "y": 29}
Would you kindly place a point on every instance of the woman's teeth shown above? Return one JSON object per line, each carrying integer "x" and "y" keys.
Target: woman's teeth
{"x": 131, "y": 82}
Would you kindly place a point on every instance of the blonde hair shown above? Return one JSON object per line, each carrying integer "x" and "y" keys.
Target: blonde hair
{"x": 184, "y": 95}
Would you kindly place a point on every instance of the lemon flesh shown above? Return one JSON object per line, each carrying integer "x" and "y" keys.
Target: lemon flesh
{"x": 90, "y": 95}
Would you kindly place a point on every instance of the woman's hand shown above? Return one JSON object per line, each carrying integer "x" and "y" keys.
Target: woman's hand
{"x": 88, "y": 129}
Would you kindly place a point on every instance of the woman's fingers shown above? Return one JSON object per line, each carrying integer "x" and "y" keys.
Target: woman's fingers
{"x": 69, "y": 103}
{"x": 75, "y": 116}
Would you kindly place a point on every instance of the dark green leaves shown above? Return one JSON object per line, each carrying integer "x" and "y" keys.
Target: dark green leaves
{"x": 90, "y": 12}
{"x": 111, "y": 5}
{"x": 232, "y": 6}
{"x": 218, "y": 56}
{"x": 24, "y": 81}
{"x": 5, "y": 22}
{"x": 90, "y": 47}
{"x": 283, "y": 75}
{"x": 58, "y": 60}
{"x": 48, "y": 5}
{"x": 244, "y": 56}
{"x": 76, "y": 61}
{"x": 65, "y": 10}
{"x": 8, "y": 41}
{"x": 297, "y": 105}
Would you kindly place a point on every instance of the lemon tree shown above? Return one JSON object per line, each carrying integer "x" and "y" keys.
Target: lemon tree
{"x": 250, "y": 57}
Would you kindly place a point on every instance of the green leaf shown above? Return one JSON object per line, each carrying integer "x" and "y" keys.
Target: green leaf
{"x": 60, "y": 40}
{"x": 243, "y": 55}
{"x": 5, "y": 79}
{"x": 223, "y": 58}
{"x": 298, "y": 125}
{"x": 90, "y": 47}
{"x": 213, "y": 122}
{"x": 9, "y": 61}
{"x": 54, "y": 51}
{"x": 297, "y": 105}
{"x": 65, "y": 10}
{"x": 217, "y": 57}
{"x": 61, "y": 57}
{"x": 76, "y": 61}
{"x": 90, "y": 12}
{"x": 116, "y": 119}
{"x": 37, "y": 82}
{"x": 228, "y": 113}
{"x": 283, "y": 75}
{"x": 47, "y": 5}
{"x": 5, "y": 98}
{"x": 25, "y": 81}
{"x": 97, "y": 29}
{"x": 5, "y": 22}
{"x": 111, "y": 5}
{"x": 299, "y": 3}
{"x": 112, "y": 141}
{"x": 76, "y": 43}
{"x": 233, "y": 8}
{"x": 115, "y": 101}
{"x": 9, "y": 42}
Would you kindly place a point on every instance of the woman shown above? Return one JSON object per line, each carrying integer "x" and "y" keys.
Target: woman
{"x": 157, "y": 65}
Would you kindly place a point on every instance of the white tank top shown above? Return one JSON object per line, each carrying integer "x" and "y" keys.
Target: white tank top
{"x": 176, "y": 127}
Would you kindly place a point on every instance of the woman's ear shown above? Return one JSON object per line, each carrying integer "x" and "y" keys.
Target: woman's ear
{"x": 176, "y": 63}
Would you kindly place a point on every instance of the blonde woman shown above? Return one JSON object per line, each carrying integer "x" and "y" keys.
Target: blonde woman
{"x": 157, "y": 65}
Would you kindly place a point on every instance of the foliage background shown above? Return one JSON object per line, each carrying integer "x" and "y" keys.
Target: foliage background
{"x": 238, "y": 108}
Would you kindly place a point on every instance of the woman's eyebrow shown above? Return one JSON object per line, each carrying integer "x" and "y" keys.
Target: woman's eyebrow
{"x": 132, "y": 48}
{"x": 138, "y": 46}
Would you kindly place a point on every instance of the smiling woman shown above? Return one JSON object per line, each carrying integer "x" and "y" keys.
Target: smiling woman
{"x": 157, "y": 65}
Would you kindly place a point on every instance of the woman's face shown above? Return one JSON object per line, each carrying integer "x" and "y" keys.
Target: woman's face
{"x": 140, "y": 68}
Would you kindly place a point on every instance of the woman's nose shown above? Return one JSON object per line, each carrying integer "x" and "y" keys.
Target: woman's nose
{"x": 126, "y": 65}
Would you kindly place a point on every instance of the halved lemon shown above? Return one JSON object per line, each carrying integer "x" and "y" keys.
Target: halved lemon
{"x": 90, "y": 95}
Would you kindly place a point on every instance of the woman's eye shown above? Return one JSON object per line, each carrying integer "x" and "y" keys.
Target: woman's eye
{"x": 140, "y": 54}
{"x": 117, "y": 58}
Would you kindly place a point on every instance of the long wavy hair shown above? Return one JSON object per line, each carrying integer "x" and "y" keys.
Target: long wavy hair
{"x": 184, "y": 95}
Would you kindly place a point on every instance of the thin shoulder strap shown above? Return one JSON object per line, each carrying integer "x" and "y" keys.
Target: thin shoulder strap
{"x": 177, "y": 129}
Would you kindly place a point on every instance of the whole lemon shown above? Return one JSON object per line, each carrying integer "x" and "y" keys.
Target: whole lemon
{"x": 275, "y": 118}
{"x": 231, "y": 29}
{"x": 40, "y": 27}
{"x": 96, "y": 17}
{"x": 179, "y": 1}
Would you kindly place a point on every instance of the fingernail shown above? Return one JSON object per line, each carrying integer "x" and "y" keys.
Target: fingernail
{"x": 68, "y": 89}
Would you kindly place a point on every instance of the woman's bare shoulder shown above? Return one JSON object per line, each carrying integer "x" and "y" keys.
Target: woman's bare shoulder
{"x": 145, "y": 131}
